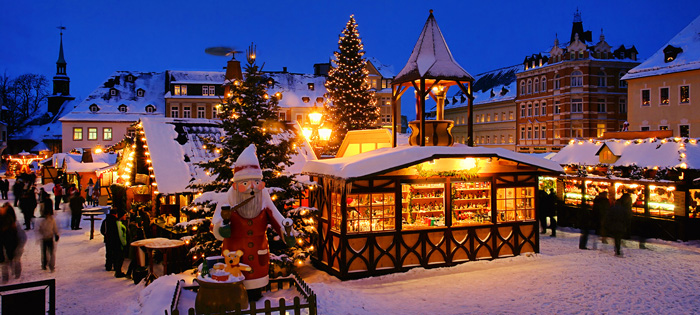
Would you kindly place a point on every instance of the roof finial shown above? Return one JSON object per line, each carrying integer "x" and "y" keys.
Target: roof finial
{"x": 556, "y": 40}
{"x": 577, "y": 16}
{"x": 602, "y": 37}
{"x": 61, "y": 59}
{"x": 431, "y": 11}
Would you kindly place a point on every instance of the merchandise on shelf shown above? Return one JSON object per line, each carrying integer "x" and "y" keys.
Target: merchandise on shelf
{"x": 423, "y": 205}
{"x": 471, "y": 203}
{"x": 515, "y": 204}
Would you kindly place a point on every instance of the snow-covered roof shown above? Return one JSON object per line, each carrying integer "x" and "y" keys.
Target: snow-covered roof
{"x": 295, "y": 87}
{"x": 386, "y": 71}
{"x": 175, "y": 146}
{"x": 44, "y": 127}
{"x": 669, "y": 152}
{"x": 431, "y": 58}
{"x": 500, "y": 81}
{"x": 688, "y": 39}
{"x": 73, "y": 166}
{"x": 387, "y": 159}
{"x": 73, "y": 161}
{"x": 152, "y": 84}
{"x": 196, "y": 77}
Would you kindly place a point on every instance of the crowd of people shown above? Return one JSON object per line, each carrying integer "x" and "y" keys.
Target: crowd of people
{"x": 120, "y": 229}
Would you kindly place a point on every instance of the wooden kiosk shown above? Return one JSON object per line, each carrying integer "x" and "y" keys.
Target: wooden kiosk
{"x": 427, "y": 204}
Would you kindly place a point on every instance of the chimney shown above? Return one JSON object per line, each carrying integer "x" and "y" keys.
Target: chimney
{"x": 233, "y": 70}
{"x": 284, "y": 69}
{"x": 87, "y": 155}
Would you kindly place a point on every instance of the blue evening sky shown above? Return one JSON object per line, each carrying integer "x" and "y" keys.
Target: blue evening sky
{"x": 150, "y": 35}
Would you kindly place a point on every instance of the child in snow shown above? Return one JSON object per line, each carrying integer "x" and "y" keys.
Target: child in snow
{"x": 48, "y": 235}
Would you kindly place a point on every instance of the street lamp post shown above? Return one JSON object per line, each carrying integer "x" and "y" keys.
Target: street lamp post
{"x": 316, "y": 131}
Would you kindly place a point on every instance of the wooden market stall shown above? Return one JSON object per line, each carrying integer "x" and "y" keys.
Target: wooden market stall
{"x": 661, "y": 174}
{"x": 392, "y": 209}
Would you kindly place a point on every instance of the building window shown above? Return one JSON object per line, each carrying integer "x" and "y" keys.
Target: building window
{"x": 122, "y": 108}
{"x": 180, "y": 89}
{"x": 92, "y": 133}
{"x": 663, "y": 127}
{"x": 663, "y": 96}
{"x": 77, "y": 133}
{"x": 577, "y": 105}
{"x": 150, "y": 109}
{"x": 212, "y": 90}
{"x": 645, "y": 128}
{"x": 529, "y": 86}
{"x": 495, "y": 117}
{"x": 623, "y": 83}
{"x": 522, "y": 132}
{"x": 544, "y": 109}
{"x": 477, "y": 118}
{"x": 488, "y": 139}
{"x": 576, "y": 131}
{"x": 522, "y": 110}
{"x": 510, "y": 138}
{"x": 600, "y": 130}
{"x": 201, "y": 112}
{"x": 488, "y": 118}
{"x": 537, "y": 132}
{"x": 557, "y": 108}
{"x": 299, "y": 118}
{"x": 94, "y": 108}
{"x": 685, "y": 94}
{"x": 215, "y": 111}
{"x": 543, "y": 130}
{"x": 684, "y": 130}
{"x": 529, "y": 110}
{"x": 140, "y": 92}
{"x": 543, "y": 82}
{"x": 602, "y": 81}
{"x": 186, "y": 112}
{"x": 556, "y": 130}
{"x": 522, "y": 87}
{"x": 557, "y": 82}
{"x": 537, "y": 85}
{"x": 174, "y": 112}
{"x": 529, "y": 132}
{"x": 576, "y": 78}
{"x": 107, "y": 134}
{"x": 205, "y": 90}
{"x": 580, "y": 55}
{"x": 282, "y": 116}
{"x": 646, "y": 98}
{"x": 510, "y": 116}
{"x": 503, "y": 139}
{"x": 601, "y": 106}
{"x": 112, "y": 92}
{"x": 503, "y": 115}
{"x": 623, "y": 106}
{"x": 537, "y": 109}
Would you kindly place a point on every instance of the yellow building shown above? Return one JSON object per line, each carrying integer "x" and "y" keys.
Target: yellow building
{"x": 660, "y": 89}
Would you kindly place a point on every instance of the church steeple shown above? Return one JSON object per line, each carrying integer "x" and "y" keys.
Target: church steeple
{"x": 61, "y": 81}
{"x": 577, "y": 28}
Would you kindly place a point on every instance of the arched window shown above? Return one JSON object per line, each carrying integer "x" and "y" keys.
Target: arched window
{"x": 623, "y": 83}
{"x": 150, "y": 109}
{"x": 522, "y": 87}
{"x": 543, "y": 81}
{"x": 557, "y": 82}
{"x": 576, "y": 78}
{"x": 529, "y": 86}
{"x": 537, "y": 85}
{"x": 602, "y": 80}
{"x": 122, "y": 108}
{"x": 94, "y": 108}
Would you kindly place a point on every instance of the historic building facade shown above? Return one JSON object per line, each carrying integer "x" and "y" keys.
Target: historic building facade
{"x": 574, "y": 91}
{"x": 661, "y": 89}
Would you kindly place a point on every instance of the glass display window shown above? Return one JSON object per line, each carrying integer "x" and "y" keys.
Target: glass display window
{"x": 593, "y": 189}
{"x": 336, "y": 215}
{"x": 637, "y": 192}
{"x": 370, "y": 212}
{"x": 515, "y": 204}
{"x": 661, "y": 200}
{"x": 546, "y": 183}
{"x": 694, "y": 206}
{"x": 471, "y": 203}
{"x": 423, "y": 205}
{"x": 572, "y": 192}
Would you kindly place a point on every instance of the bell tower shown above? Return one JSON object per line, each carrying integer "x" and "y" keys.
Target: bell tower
{"x": 61, "y": 81}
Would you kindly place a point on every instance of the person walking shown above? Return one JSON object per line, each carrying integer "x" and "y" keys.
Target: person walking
{"x": 600, "y": 213}
{"x": 17, "y": 189}
{"x": 552, "y": 204}
{"x": 89, "y": 191}
{"x": 542, "y": 201}
{"x": 76, "y": 210}
{"x": 4, "y": 188}
{"x": 115, "y": 239}
{"x": 48, "y": 235}
{"x": 27, "y": 204}
{"x": 58, "y": 195}
{"x": 618, "y": 220}
{"x": 9, "y": 241}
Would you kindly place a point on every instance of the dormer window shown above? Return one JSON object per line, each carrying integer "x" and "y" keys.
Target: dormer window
{"x": 112, "y": 92}
{"x": 129, "y": 78}
{"x": 94, "y": 108}
{"x": 150, "y": 109}
{"x": 305, "y": 99}
{"x": 311, "y": 86}
{"x": 319, "y": 100}
{"x": 140, "y": 92}
{"x": 122, "y": 108}
{"x": 671, "y": 52}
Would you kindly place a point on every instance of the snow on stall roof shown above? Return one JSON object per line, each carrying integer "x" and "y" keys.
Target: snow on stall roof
{"x": 380, "y": 160}
{"x": 152, "y": 83}
{"x": 431, "y": 58}
{"x": 74, "y": 166}
{"x": 642, "y": 152}
{"x": 196, "y": 77}
{"x": 688, "y": 39}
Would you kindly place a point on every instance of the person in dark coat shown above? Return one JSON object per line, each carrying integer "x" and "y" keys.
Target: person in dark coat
{"x": 600, "y": 213}
{"x": 76, "y": 210}
{"x": 9, "y": 240}
{"x": 58, "y": 195}
{"x": 589, "y": 217}
{"x": 4, "y": 188}
{"x": 542, "y": 203}
{"x": 114, "y": 254}
{"x": 27, "y": 204}
{"x": 618, "y": 220}
{"x": 552, "y": 205}
{"x": 17, "y": 189}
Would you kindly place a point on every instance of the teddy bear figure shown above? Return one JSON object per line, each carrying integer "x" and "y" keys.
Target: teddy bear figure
{"x": 233, "y": 265}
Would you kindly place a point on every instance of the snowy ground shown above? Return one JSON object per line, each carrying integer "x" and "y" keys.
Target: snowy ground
{"x": 561, "y": 279}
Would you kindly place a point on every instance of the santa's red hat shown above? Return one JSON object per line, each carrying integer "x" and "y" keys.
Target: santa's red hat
{"x": 247, "y": 165}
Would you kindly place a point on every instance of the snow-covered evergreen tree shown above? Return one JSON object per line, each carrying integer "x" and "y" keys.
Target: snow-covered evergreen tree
{"x": 353, "y": 105}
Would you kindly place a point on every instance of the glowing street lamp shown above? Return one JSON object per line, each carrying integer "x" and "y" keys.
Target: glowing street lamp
{"x": 315, "y": 131}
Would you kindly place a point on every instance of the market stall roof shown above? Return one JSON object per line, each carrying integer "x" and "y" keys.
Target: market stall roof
{"x": 384, "y": 160}
{"x": 58, "y": 159}
{"x": 79, "y": 167}
{"x": 175, "y": 148}
{"x": 668, "y": 152}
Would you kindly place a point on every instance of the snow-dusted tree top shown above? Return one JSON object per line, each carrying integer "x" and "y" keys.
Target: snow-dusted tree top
{"x": 431, "y": 58}
{"x": 381, "y": 160}
{"x": 688, "y": 39}
{"x": 669, "y": 152}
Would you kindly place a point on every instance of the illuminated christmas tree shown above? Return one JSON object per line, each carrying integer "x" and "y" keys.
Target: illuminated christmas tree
{"x": 353, "y": 105}
{"x": 250, "y": 116}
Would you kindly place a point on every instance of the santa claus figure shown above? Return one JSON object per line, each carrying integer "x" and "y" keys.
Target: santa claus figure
{"x": 244, "y": 227}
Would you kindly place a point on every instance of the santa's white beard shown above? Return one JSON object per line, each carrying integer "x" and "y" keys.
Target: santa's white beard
{"x": 252, "y": 208}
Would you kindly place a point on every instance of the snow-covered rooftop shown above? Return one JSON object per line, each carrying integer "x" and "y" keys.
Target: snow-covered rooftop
{"x": 500, "y": 82}
{"x": 688, "y": 39}
{"x": 386, "y": 71}
{"x": 126, "y": 93}
{"x": 669, "y": 152}
{"x": 386, "y": 159}
{"x": 43, "y": 126}
{"x": 295, "y": 87}
{"x": 196, "y": 77}
{"x": 431, "y": 58}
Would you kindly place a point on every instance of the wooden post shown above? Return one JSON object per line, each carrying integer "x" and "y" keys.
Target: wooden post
{"x": 421, "y": 101}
